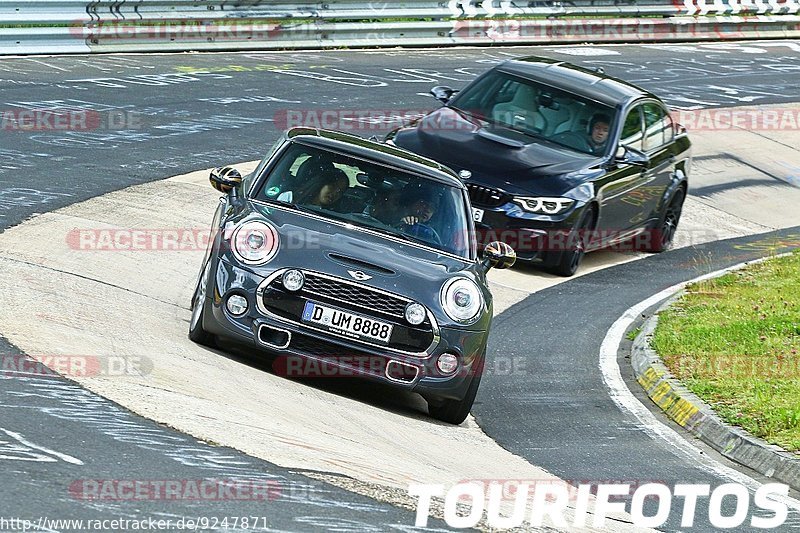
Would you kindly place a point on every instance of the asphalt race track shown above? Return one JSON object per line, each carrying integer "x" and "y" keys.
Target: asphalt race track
{"x": 559, "y": 414}
{"x": 176, "y": 113}
{"x": 100, "y": 444}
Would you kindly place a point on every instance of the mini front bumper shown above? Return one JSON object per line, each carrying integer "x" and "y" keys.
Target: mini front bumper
{"x": 304, "y": 352}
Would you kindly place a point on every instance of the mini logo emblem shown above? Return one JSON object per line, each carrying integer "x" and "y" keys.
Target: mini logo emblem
{"x": 464, "y": 174}
{"x": 358, "y": 275}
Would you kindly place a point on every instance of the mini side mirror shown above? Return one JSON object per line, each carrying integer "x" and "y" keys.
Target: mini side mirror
{"x": 442, "y": 93}
{"x": 224, "y": 179}
{"x": 631, "y": 156}
{"x": 498, "y": 255}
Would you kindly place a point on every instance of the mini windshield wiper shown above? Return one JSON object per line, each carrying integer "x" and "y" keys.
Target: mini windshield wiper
{"x": 284, "y": 203}
{"x": 390, "y": 233}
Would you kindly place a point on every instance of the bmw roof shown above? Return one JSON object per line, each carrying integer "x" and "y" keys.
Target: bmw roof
{"x": 582, "y": 81}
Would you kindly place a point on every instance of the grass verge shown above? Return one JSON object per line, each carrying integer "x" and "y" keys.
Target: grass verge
{"x": 734, "y": 341}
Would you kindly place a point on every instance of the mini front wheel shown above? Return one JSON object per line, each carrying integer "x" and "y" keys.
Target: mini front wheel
{"x": 456, "y": 411}
{"x": 196, "y": 332}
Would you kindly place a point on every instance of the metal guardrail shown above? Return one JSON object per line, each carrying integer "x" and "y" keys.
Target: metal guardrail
{"x": 81, "y": 26}
{"x": 81, "y": 11}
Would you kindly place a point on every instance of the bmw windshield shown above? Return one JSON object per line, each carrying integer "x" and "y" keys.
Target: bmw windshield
{"x": 370, "y": 195}
{"x": 539, "y": 111}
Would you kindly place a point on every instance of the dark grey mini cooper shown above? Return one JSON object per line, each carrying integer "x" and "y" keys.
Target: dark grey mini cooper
{"x": 347, "y": 257}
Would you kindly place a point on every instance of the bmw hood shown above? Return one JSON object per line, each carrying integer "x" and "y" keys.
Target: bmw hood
{"x": 497, "y": 156}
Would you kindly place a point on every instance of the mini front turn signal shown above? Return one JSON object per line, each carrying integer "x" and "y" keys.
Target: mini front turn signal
{"x": 293, "y": 280}
{"x": 415, "y": 314}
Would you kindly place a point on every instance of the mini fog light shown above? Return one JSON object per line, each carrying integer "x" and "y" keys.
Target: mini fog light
{"x": 415, "y": 313}
{"x": 236, "y": 304}
{"x": 293, "y": 280}
{"x": 447, "y": 363}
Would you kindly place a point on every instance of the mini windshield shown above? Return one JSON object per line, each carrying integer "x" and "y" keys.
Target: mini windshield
{"x": 539, "y": 110}
{"x": 364, "y": 193}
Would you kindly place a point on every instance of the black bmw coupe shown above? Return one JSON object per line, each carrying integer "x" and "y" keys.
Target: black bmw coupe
{"x": 559, "y": 160}
{"x": 347, "y": 257}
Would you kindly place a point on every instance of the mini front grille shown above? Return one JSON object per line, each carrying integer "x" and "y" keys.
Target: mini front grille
{"x": 486, "y": 196}
{"x": 358, "y": 299}
{"x": 338, "y": 355}
{"x": 319, "y": 348}
{"x": 355, "y": 295}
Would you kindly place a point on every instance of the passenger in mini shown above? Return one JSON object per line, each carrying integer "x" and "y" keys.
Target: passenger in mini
{"x": 317, "y": 183}
{"x": 387, "y": 206}
{"x": 329, "y": 192}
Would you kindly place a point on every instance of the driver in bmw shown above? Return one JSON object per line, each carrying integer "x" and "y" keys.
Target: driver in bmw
{"x": 598, "y": 133}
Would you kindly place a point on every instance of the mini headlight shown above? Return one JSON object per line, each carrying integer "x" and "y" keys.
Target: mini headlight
{"x": 293, "y": 280}
{"x": 255, "y": 242}
{"x": 236, "y": 304}
{"x": 461, "y": 299}
{"x": 415, "y": 314}
{"x": 545, "y": 206}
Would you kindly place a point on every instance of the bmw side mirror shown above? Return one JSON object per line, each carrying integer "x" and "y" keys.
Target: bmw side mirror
{"x": 442, "y": 93}
{"x": 225, "y": 179}
{"x": 631, "y": 156}
{"x": 498, "y": 255}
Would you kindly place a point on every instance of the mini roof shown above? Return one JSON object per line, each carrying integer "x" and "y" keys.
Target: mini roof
{"x": 376, "y": 151}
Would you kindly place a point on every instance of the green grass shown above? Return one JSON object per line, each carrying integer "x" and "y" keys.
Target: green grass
{"x": 632, "y": 334}
{"x": 734, "y": 341}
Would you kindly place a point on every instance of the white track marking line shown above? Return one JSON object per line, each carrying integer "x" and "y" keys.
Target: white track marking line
{"x": 628, "y": 403}
{"x": 64, "y": 457}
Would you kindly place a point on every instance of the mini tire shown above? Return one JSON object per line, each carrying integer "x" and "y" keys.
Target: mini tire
{"x": 196, "y": 332}
{"x": 456, "y": 411}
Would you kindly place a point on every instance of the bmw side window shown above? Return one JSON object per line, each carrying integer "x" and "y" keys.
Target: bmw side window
{"x": 669, "y": 131}
{"x": 632, "y": 129}
{"x": 657, "y": 126}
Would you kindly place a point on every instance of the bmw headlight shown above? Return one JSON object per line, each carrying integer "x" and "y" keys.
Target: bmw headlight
{"x": 255, "y": 242}
{"x": 461, "y": 299}
{"x": 545, "y": 206}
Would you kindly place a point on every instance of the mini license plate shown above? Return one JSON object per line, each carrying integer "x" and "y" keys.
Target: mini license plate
{"x": 348, "y": 324}
{"x": 477, "y": 214}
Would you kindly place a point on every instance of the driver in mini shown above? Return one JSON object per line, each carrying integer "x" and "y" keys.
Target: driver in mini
{"x": 416, "y": 216}
{"x": 419, "y": 212}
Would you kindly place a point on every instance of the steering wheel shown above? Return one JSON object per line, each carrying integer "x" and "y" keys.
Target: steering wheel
{"x": 366, "y": 218}
{"x": 422, "y": 231}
